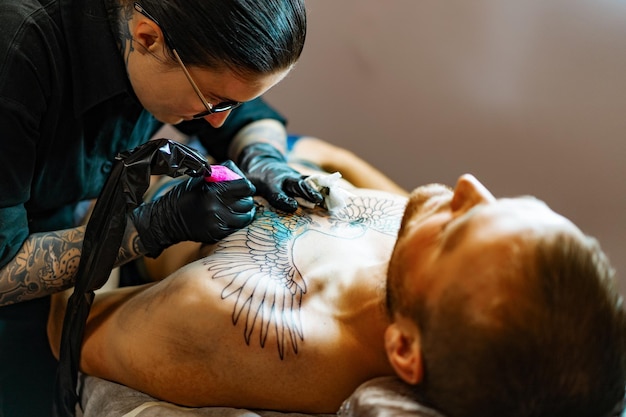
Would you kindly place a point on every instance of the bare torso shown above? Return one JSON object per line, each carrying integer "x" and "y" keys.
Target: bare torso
{"x": 287, "y": 314}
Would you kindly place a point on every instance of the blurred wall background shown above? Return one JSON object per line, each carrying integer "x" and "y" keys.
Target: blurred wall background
{"x": 528, "y": 95}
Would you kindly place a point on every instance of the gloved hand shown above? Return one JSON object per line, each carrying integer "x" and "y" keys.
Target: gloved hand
{"x": 195, "y": 210}
{"x": 277, "y": 182}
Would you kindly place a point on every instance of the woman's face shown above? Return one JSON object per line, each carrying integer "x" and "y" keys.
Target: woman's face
{"x": 164, "y": 90}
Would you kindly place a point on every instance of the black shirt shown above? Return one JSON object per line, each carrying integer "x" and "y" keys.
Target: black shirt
{"x": 66, "y": 110}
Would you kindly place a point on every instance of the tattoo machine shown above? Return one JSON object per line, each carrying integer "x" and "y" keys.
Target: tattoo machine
{"x": 122, "y": 192}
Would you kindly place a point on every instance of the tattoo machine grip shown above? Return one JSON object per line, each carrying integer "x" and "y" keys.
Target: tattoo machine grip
{"x": 220, "y": 173}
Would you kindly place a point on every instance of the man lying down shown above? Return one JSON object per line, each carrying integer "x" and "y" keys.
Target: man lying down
{"x": 487, "y": 307}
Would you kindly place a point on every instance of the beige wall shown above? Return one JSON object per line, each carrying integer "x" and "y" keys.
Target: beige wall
{"x": 529, "y": 95}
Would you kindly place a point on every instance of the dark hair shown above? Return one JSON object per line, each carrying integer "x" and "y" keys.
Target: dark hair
{"x": 245, "y": 36}
{"x": 556, "y": 347}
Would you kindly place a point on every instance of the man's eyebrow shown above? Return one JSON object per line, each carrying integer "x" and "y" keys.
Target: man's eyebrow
{"x": 456, "y": 229}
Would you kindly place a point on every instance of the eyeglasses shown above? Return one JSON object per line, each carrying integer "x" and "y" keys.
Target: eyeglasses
{"x": 210, "y": 108}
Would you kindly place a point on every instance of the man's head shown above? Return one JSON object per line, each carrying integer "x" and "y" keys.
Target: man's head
{"x": 502, "y": 307}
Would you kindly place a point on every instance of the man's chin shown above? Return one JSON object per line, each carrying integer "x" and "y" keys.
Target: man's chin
{"x": 422, "y": 199}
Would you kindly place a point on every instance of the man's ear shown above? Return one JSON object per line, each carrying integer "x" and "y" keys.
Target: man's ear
{"x": 402, "y": 343}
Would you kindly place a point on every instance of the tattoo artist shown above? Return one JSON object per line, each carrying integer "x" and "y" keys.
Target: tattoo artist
{"x": 81, "y": 81}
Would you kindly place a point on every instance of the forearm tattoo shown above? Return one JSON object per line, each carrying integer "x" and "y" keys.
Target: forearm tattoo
{"x": 262, "y": 131}
{"x": 47, "y": 263}
{"x": 263, "y": 280}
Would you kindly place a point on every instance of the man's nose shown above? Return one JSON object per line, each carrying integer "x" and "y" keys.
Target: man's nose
{"x": 217, "y": 119}
{"x": 468, "y": 193}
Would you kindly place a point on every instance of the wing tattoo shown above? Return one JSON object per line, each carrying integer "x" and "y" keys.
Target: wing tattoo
{"x": 257, "y": 269}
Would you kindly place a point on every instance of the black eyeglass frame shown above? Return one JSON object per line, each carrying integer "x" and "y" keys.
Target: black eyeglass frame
{"x": 210, "y": 108}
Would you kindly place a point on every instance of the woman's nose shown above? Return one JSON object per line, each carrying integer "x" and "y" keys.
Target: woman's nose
{"x": 217, "y": 119}
{"x": 468, "y": 193}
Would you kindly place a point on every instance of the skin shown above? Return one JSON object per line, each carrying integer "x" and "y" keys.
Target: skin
{"x": 185, "y": 322}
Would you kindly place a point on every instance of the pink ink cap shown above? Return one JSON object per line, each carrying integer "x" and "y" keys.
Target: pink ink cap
{"x": 221, "y": 173}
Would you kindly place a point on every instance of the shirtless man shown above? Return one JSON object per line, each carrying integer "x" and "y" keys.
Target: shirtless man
{"x": 296, "y": 311}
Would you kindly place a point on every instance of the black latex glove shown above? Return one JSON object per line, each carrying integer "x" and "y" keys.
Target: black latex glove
{"x": 195, "y": 210}
{"x": 276, "y": 181}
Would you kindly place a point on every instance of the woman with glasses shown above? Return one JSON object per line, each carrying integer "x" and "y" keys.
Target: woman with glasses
{"x": 81, "y": 81}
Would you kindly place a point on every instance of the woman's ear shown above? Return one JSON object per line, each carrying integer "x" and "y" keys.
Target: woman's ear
{"x": 147, "y": 33}
{"x": 402, "y": 343}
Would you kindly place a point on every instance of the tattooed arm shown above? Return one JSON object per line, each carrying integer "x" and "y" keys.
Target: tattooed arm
{"x": 45, "y": 264}
{"x": 267, "y": 131}
{"x": 48, "y": 262}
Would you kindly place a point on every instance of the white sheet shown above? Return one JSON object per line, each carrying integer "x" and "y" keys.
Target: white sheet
{"x": 379, "y": 397}
{"x": 384, "y": 397}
